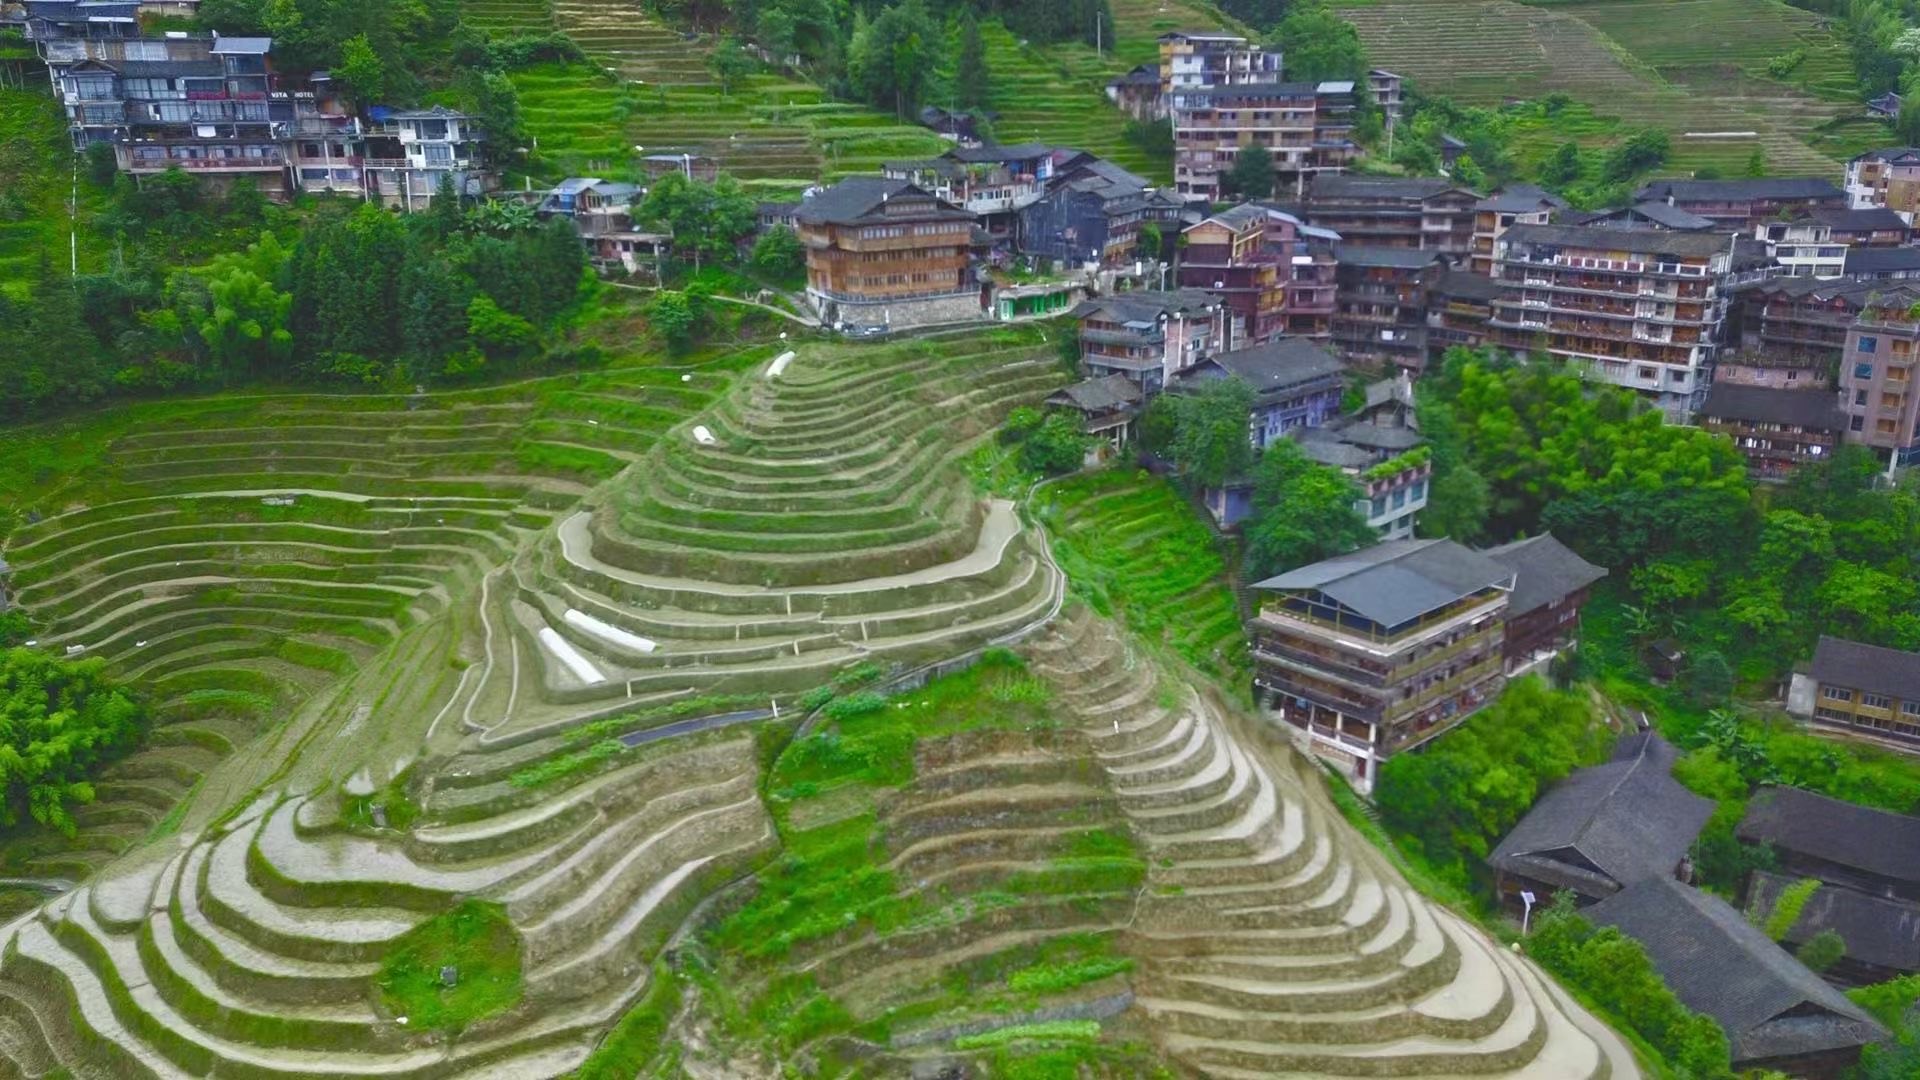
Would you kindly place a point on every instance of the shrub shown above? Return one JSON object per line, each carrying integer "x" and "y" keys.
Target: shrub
{"x": 1047, "y": 1031}
{"x": 479, "y": 942}
{"x": 1786, "y": 909}
{"x": 1822, "y": 950}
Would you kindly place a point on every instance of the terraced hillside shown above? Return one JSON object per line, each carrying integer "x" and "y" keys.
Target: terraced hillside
{"x": 1118, "y": 867}
{"x": 1135, "y": 549}
{"x": 496, "y": 725}
{"x": 1695, "y": 67}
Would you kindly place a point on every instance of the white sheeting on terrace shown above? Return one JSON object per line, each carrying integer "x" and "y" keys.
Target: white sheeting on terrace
{"x": 607, "y": 632}
{"x": 562, "y": 649}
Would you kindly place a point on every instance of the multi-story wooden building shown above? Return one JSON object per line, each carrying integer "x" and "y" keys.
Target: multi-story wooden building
{"x": 1296, "y": 384}
{"x": 1309, "y": 272}
{"x": 1877, "y": 382}
{"x": 1227, "y": 255}
{"x": 1092, "y": 216}
{"x": 1515, "y": 204}
{"x": 1459, "y": 311}
{"x": 1550, "y": 585}
{"x": 1149, "y": 336}
{"x": 1641, "y": 308}
{"x": 1212, "y": 124}
{"x": 1739, "y": 205}
{"x": 1874, "y": 227}
{"x": 1886, "y": 179}
{"x": 1866, "y": 689}
{"x": 1371, "y": 654}
{"x": 1793, "y": 331}
{"x": 886, "y": 253}
{"x": 1776, "y": 429}
{"x": 1429, "y": 214}
{"x": 1190, "y": 58}
{"x": 1389, "y": 93}
{"x": 1380, "y": 321}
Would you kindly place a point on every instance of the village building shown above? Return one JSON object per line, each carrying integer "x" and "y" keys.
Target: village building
{"x": 1803, "y": 248}
{"x": 1379, "y": 446}
{"x": 1877, "y": 386}
{"x": 1459, "y": 311}
{"x": 1551, "y": 583}
{"x": 1296, "y": 384}
{"x": 1775, "y": 428}
{"x": 1381, "y": 305}
{"x": 1877, "y": 227}
{"x": 1228, "y": 256}
{"x": 1515, "y": 204}
{"x": 1602, "y": 829}
{"x": 1886, "y": 179}
{"x": 1861, "y": 689}
{"x": 1739, "y": 205}
{"x": 602, "y": 213}
{"x": 1149, "y": 337}
{"x": 1107, "y": 406}
{"x": 1388, "y": 92}
{"x": 1792, "y": 332}
{"x": 1882, "y": 936}
{"x": 1190, "y": 58}
{"x": 1370, "y": 654}
{"x": 1876, "y": 852}
{"x": 1212, "y": 124}
{"x": 1092, "y": 217}
{"x": 1308, "y": 271}
{"x": 415, "y": 154}
{"x": 1427, "y": 214}
{"x": 1884, "y": 264}
{"x": 1137, "y": 93}
{"x": 886, "y": 253}
{"x": 1776, "y": 1013}
{"x": 701, "y": 167}
{"x": 1639, "y": 308}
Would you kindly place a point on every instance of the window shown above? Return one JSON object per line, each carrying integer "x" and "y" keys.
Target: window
{"x": 1836, "y": 693}
{"x": 439, "y": 154}
{"x": 1858, "y": 423}
{"x": 1910, "y": 708}
{"x": 1863, "y": 371}
{"x": 1647, "y": 373}
{"x": 1867, "y": 344}
{"x": 1876, "y": 701}
{"x": 1860, "y": 398}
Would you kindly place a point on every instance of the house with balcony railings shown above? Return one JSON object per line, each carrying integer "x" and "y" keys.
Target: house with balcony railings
{"x": 1792, "y": 332}
{"x": 888, "y": 253}
{"x": 1149, "y": 336}
{"x": 413, "y": 154}
{"x": 1803, "y": 248}
{"x": 1380, "y": 319}
{"x": 1739, "y": 205}
{"x": 1386, "y": 211}
{"x": 1309, "y": 274}
{"x": 1228, "y": 256}
{"x": 1639, "y": 308}
{"x": 1366, "y": 655}
{"x": 1887, "y": 179}
{"x": 1877, "y": 382}
{"x": 1092, "y": 215}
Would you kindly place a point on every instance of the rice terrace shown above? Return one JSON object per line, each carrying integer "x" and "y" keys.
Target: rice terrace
{"x": 959, "y": 539}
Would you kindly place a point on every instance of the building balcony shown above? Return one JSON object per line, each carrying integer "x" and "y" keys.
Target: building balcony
{"x": 271, "y": 163}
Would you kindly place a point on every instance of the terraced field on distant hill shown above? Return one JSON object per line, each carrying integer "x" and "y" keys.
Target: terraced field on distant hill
{"x": 1693, "y": 66}
{"x": 512, "y": 681}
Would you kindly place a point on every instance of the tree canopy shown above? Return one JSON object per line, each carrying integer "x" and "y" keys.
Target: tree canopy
{"x": 60, "y": 722}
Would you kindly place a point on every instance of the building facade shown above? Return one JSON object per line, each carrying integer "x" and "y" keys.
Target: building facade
{"x": 1149, "y": 337}
{"x": 886, "y": 253}
{"x": 1739, "y": 205}
{"x": 1228, "y": 256}
{"x": 1380, "y": 321}
{"x": 1428, "y": 214}
{"x": 1885, "y": 179}
{"x": 1371, "y": 654}
{"x": 1640, "y": 308}
{"x": 1296, "y": 384}
{"x": 1775, "y": 429}
{"x": 1865, "y": 689}
{"x": 1877, "y": 384}
{"x": 1516, "y": 204}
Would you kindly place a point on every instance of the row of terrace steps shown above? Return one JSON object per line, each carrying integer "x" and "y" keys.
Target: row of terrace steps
{"x": 623, "y": 35}
{"x": 251, "y": 952}
{"x": 1274, "y": 942}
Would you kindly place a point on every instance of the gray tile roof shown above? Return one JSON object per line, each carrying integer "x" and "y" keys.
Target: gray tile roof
{"x": 1770, "y": 405}
{"x": 1545, "y": 569}
{"x": 1100, "y": 395}
{"x": 854, "y": 198}
{"x": 1769, "y": 187}
{"x": 1877, "y": 931}
{"x": 1467, "y": 285}
{"x": 1877, "y": 842}
{"x": 1609, "y": 826}
{"x": 1346, "y": 186}
{"x": 1867, "y": 667}
{"x": 997, "y": 153}
{"x": 1668, "y": 216}
{"x": 1719, "y": 964}
{"x": 1146, "y": 305}
{"x": 1396, "y": 581}
{"x": 1873, "y": 219}
{"x": 1882, "y": 260}
{"x": 1250, "y": 90}
{"x": 1637, "y": 241}
{"x": 1520, "y": 199}
{"x": 1278, "y": 365}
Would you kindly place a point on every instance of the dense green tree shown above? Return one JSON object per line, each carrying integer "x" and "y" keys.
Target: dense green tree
{"x": 890, "y": 58}
{"x": 730, "y": 62}
{"x": 1303, "y": 512}
{"x": 1822, "y": 950}
{"x": 971, "y": 82}
{"x": 1457, "y": 504}
{"x": 1206, "y": 431}
{"x": 707, "y": 220}
{"x": 1564, "y": 167}
{"x": 1642, "y": 152}
{"x": 362, "y": 70}
{"x": 1056, "y": 445}
{"x": 1319, "y": 45}
{"x": 675, "y": 316}
{"x": 491, "y": 98}
{"x": 345, "y": 278}
{"x": 1251, "y": 176}
{"x": 435, "y": 302}
{"x": 60, "y": 721}
{"x": 246, "y": 321}
{"x": 779, "y": 254}
{"x": 500, "y": 334}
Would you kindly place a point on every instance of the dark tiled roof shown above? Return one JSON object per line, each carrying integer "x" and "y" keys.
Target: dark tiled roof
{"x": 1882, "y": 260}
{"x": 1467, "y": 285}
{"x": 1388, "y": 257}
{"x": 996, "y": 153}
{"x": 1638, "y": 241}
{"x": 1278, "y": 365}
{"x": 1719, "y": 964}
{"x": 1344, "y": 186}
{"x": 1545, "y": 569}
{"x": 1876, "y": 842}
{"x": 1867, "y": 667}
{"x": 1520, "y": 199}
{"x": 1147, "y": 305}
{"x": 1768, "y": 405}
{"x": 1610, "y": 826}
{"x": 1667, "y": 216}
{"x": 1876, "y": 930}
{"x": 1875, "y": 219}
{"x": 1890, "y": 153}
{"x": 1141, "y": 75}
{"x": 1772, "y": 187}
{"x": 1098, "y": 395}
{"x": 856, "y": 197}
{"x": 1398, "y": 580}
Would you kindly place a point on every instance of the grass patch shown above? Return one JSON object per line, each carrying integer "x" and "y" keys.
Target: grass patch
{"x": 640, "y": 1034}
{"x": 1048, "y": 1031}
{"x": 478, "y": 940}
